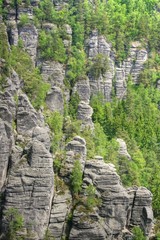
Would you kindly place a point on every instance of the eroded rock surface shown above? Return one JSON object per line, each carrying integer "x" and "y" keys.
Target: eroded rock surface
{"x": 30, "y": 188}
{"x": 123, "y": 149}
{"x": 84, "y": 114}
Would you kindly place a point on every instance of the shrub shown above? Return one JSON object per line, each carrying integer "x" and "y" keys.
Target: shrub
{"x": 138, "y": 234}
{"x": 76, "y": 177}
{"x": 14, "y": 223}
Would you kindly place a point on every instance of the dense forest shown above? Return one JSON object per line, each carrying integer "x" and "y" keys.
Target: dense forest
{"x": 135, "y": 118}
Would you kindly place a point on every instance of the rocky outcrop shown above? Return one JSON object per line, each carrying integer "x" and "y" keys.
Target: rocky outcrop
{"x": 29, "y": 36}
{"x": 141, "y": 212}
{"x": 26, "y": 116}
{"x": 120, "y": 85}
{"x": 5, "y": 148}
{"x": 135, "y": 61}
{"x": 118, "y": 210}
{"x": 97, "y": 46}
{"x": 30, "y": 188}
{"x": 53, "y": 73}
{"x": 110, "y": 75}
{"x": 75, "y": 150}
{"x": 123, "y": 149}
{"x": 59, "y": 217}
{"x": 84, "y": 114}
{"x": 54, "y": 100}
{"x": 82, "y": 87}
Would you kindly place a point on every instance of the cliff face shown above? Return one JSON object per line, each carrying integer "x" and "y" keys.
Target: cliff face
{"x": 27, "y": 179}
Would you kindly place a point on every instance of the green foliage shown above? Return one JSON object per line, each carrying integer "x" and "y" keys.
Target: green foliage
{"x": 4, "y": 54}
{"x": 51, "y": 46}
{"x": 138, "y": 234}
{"x": 100, "y": 65}
{"x": 73, "y": 105}
{"x": 34, "y": 86}
{"x": 91, "y": 201}
{"x": 76, "y": 177}
{"x": 136, "y": 120}
{"x": 71, "y": 128}
{"x": 76, "y": 65}
{"x": 48, "y": 236}
{"x": 55, "y": 122}
{"x": 24, "y": 20}
{"x": 14, "y": 224}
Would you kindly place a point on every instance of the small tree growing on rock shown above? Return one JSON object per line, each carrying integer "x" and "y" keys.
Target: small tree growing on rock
{"x": 76, "y": 177}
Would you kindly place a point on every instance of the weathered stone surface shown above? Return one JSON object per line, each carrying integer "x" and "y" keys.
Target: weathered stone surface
{"x": 7, "y": 107}
{"x": 54, "y": 100}
{"x": 42, "y": 135}
{"x": 120, "y": 208}
{"x": 121, "y": 86}
{"x": 53, "y": 73}
{"x": 5, "y": 146}
{"x": 29, "y": 36}
{"x": 13, "y": 83}
{"x": 26, "y": 116}
{"x": 12, "y": 32}
{"x": 30, "y": 188}
{"x": 141, "y": 212}
{"x": 76, "y": 150}
{"x": 97, "y": 45}
{"x": 59, "y": 214}
{"x": 87, "y": 226}
{"x": 82, "y": 87}
{"x": 123, "y": 148}
{"x": 134, "y": 64}
{"x": 84, "y": 114}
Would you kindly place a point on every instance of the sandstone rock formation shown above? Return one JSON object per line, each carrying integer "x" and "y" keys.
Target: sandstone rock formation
{"x": 28, "y": 180}
{"x": 123, "y": 148}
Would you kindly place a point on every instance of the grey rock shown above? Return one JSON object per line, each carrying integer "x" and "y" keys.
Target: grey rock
{"x": 29, "y": 36}
{"x": 123, "y": 149}
{"x": 84, "y": 114}
{"x": 13, "y": 83}
{"x": 134, "y": 64}
{"x": 53, "y": 73}
{"x": 103, "y": 83}
{"x": 12, "y": 32}
{"x": 87, "y": 226}
{"x": 49, "y": 26}
{"x": 82, "y": 87}
{"x": 75, "y": 150}
{"x": 158, "y": 84}
{"x": 59, "y": 214}
{"x": 42, "y": 135}
{"x": 7, "y": 107}
{"x": 5, "y": 148}
{"x": 119, "y": 210}
{"x": 54, "y": 100}
{"x": 141, "y": 213}
{"x": 30, "y": 188}
{"x": 121, "y": 86}
{"x": 26, "y": 116}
